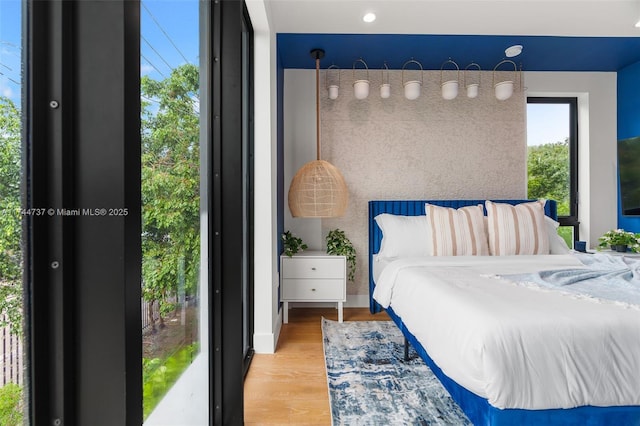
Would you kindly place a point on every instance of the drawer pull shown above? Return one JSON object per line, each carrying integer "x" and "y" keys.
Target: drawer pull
{"x": 313, "y": 289}
{"x": 313, "y": 269}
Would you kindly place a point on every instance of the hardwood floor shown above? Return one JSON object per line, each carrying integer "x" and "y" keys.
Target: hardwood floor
{"x": 290, "y": 386}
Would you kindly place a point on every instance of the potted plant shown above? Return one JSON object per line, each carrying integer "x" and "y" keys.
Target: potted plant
{"x": 620, "y": 240}
{"x": 339, "y": 244}
{"x": 292, "y": 244}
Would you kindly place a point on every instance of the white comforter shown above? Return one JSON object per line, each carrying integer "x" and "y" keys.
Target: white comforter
{"x": 516, "y": 346}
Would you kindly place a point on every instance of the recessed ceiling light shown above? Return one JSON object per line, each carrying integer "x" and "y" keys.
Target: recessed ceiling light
{"x": 369, "y": 17}
{"x": 512, "y": 51}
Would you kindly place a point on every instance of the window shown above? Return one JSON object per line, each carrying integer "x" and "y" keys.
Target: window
{"x": 173, "y": 359}
{"x": 552, "y": 158}
{"x": 86, "y": 155}
{"x": 247, "y": 191}
{"x": 12, "y": 326}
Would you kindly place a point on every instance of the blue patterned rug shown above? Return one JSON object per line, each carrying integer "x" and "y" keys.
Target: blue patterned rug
{"x": 371, "y": 384}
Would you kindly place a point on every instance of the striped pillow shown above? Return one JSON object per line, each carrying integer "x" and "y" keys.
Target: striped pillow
{"x": 517, "y": 229}
{"x": 457, "y": 232}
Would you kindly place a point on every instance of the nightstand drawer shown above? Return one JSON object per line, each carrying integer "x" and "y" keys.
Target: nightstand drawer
{"x": 313, "y": 276}
{"x": 300, "y": 267}
{"x": 320, "y": 289}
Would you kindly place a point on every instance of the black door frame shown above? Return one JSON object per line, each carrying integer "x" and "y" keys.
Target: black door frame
{"x": 221, "y": 29}
{"x": 82, "y": 272}
{"x": 249, "y": 194}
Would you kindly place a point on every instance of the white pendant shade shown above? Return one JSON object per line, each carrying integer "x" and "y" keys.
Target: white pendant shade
{"x": 361, "y": 89}
{"x": 504, "y": 89}
{"x": 412, "y": 87}
{"x": 472, "y": 90}
{"x": 333, "y": 91}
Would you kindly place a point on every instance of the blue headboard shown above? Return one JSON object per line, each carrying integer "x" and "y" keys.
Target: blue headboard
{"x": 416, "y": 208}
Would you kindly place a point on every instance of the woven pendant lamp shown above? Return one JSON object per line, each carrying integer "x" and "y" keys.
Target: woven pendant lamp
{"x": 318, "y": 188}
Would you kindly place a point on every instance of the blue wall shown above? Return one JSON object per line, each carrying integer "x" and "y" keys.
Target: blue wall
{"x": 280, "y": 155}
{"x": 628, "y": 125}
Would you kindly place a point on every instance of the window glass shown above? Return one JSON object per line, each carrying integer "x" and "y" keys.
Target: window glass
{"x": 12, "y": 372}
{"x": 175, "y": 370}
{"x": 566, "y": 232}
{"x": 551, "y": 158}
{"x": 548, "y": 165}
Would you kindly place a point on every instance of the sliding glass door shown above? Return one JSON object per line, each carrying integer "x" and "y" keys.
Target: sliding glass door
{"x": 12, "y": 326}
{"x": 174, "y": 361}
{"x": 138, "y": 145}
{"x": 247, "y": 191}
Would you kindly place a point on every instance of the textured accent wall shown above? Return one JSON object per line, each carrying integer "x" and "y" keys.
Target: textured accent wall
{"x": 399, "y": 149}
{"x": 426, "y": 148}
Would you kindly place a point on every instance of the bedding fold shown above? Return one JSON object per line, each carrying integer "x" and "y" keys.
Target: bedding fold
{"x": 603, "y": 278}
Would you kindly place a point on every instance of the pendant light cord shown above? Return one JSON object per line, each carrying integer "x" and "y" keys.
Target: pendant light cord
{"x": 318, "y": 108}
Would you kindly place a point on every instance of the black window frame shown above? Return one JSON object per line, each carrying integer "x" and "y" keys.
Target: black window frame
{"x": 81, "y": 144}
{"x": 249, "y": 192}
{"x": 572, "y": 219}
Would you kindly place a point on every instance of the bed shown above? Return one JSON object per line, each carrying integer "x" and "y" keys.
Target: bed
{"x": 507, "y": 388}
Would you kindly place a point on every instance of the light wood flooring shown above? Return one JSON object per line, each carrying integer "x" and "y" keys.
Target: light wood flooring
{"x": 290, "y": 386}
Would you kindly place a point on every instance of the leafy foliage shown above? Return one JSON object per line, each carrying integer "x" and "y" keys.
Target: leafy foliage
{"x": 159, "y": 375}
{"x": 170, "y": 186}
{"x": 292, "y": 244}
{"x": 170, "y": 212}
{"x": 11, "y": 405}
{"x": 620, "y": 237}
{"x": 10, "y": 219}
{"x": 548, "y": 170}
{"x": 339, "y": 244}
{"x": 549, "y": 178}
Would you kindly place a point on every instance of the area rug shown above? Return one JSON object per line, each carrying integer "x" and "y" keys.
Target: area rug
{"x": 370, "y": 383}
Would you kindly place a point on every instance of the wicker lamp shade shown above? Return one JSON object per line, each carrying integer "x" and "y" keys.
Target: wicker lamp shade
{"x": 318, "y": 190}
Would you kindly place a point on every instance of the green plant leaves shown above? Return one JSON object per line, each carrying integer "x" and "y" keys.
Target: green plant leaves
{"x": 159, "y": 375}
{"x": 11, "y": 405}
{"x": 339, "y": 244}
{"x": 292, "y": 244}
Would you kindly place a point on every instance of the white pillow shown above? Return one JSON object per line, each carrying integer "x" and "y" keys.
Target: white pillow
{"x": 457, "y": 232}
{"x": 404, "y": 235}
{"x": 517, "y": 229}
{"x": 557, "y": 244}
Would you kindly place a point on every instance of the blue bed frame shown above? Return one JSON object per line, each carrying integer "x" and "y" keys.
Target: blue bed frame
{"x": 478, "y": 409}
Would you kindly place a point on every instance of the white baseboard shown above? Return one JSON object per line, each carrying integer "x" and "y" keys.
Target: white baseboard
{"x": 265, "y": 343}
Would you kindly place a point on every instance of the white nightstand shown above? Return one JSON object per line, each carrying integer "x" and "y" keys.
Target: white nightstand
{"x": 313, "y": 276}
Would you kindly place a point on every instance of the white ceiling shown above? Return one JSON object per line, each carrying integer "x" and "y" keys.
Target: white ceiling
{"x": 601, "y": 18}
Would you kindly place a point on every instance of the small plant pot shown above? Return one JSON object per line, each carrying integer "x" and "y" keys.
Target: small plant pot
{"x": 621, "y": 248}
